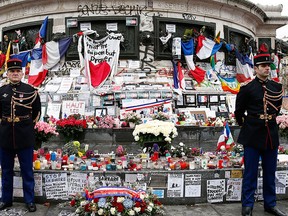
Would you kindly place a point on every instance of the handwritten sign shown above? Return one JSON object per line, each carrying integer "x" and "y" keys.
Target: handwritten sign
{"x": 53, "y": 109}
{"x": 73, "y": 107}
{"x": 193, "y": 185}
{"x": 56, "y": 185}
{"x": 215, "y": 190}
{"x": 76, "y": 182}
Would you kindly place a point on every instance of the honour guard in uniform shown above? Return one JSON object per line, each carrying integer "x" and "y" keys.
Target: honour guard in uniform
{"x": 257, "y": 105}
{"x": 20, "y": 108}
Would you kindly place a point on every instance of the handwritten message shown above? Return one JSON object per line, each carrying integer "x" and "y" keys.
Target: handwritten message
{"x": 56, "y": 185}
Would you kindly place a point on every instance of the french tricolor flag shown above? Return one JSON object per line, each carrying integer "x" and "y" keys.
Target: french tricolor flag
{"x": 45, "y": 58}
{"x": 54, "y": 51}
{"x": 206, "y": 47}
{"x": 42, "y": 33}
{"x": 37, "y": 72}
{"x": 226, "y": 138}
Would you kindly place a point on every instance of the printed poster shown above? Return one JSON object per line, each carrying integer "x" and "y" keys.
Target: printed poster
{"x": 259, "y": 191}
{"x": 234, "y": 189}
{"x": 215, "y": 190}
{"x": 281, "y": 181}
{"x": 193, "y": 185}
{"x": 175, "y": 185}
{"x": 38, "y": 184}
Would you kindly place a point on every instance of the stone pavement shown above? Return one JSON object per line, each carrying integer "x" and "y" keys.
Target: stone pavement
{"x": 216, "y": 209}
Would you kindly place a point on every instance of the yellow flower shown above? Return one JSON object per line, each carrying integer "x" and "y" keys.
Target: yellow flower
{"x": 80, "y": 154}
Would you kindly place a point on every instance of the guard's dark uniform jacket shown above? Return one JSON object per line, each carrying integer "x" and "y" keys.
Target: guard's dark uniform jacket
{"x": 257, "y": 105}
{"x": 20, "y": 108}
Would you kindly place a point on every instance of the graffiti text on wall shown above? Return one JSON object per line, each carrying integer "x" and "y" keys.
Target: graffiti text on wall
{"x": 100, "y": 9}
{"x": 188, "y": 16}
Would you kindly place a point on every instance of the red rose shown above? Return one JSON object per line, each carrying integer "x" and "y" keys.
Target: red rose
{"x": 72, "y": 203}
{"x": 87, "y": 207}
{"x": 137, "y": 204}
{"x": 119, "y": 207}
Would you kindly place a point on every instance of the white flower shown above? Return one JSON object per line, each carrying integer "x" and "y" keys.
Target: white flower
{"x": 131, "y": 212}
{"x": 136, "y": 138}
{"x": 113, "y": 210}
{"x": 100, "y": 211}
{"x": 120, "y": 199}
{"x": 137, "y": 209}
{"x": 83, "y": 203}
{"x": 142, "y": 196}
{"x": 149, "y": 208}
{"x": 222, "y": 148}
{"x": 181, "y": 144}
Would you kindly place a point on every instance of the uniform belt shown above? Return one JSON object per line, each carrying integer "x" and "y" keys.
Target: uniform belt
{"x": 262, "y": 116}
{"x": 16, "y": 118}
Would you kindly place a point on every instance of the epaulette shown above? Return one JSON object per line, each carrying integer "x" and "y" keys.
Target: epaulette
{"x": 245, "y": 83}
{"x": 36, "y": 88}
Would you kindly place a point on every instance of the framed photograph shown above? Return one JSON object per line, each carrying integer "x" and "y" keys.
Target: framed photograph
{"x": 132, "y": 95}
{"x": 189, "y": 85}
{"x": 199, "y": 115}
{"x": 214, "y": 107}
{"x": 56, "y": 98}
{"x": 120, "y": 95}
{"x": 213, "y": 98}
{"x": 144, "y": 95}
{"x": 179, "y": 102}
{"x": 222, "y": 98}
{"x": 190, "y": 99}
{"x": 108, "y": 103}
{"x": 223, "y": 108}
{"x": 155, "y": 95}
{"x": 202, "y": 98}
{"x": 102, "y": 111}
{"x": 43, "y": 98}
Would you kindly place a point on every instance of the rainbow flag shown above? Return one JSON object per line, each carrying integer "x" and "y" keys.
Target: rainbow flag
{"x": 229, "y": 84}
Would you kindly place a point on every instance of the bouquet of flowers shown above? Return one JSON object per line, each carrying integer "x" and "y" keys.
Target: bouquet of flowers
{"x": 118, "y": 201}
{"x": 71, "y": 127}
{"x": 160, "y": 116}
{"x": 106, "y": 122}
{"x": 180, "y": 150}
{"x": 132, "y": 117}
{"x": 282, "y": 121}
{"x": 154, "y": 131}
{"x": 43, "y": 132}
